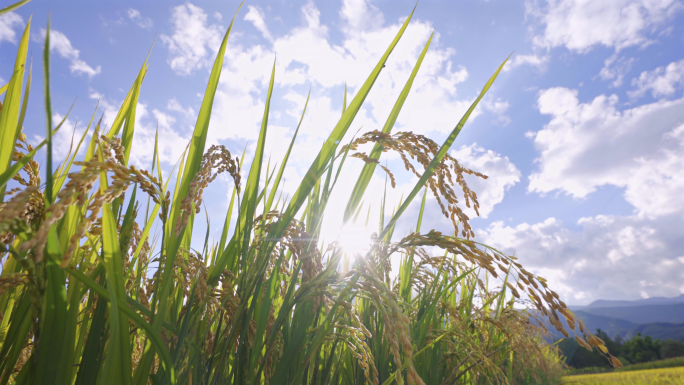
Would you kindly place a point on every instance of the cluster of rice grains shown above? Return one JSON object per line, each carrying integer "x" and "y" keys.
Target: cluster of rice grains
{"x": 217, "y": 157}
{"x": 423, "y": 150}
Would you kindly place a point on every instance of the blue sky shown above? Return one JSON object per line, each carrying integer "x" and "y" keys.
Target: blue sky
{"x": 581, "y": 135}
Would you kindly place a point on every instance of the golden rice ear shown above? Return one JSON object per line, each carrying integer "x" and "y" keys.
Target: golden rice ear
{"x": 615, "y": 361}
{"x": 584, "y": 343}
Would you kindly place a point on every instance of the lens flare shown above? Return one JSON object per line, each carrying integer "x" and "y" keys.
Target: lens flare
{"x": 354, "y": 239}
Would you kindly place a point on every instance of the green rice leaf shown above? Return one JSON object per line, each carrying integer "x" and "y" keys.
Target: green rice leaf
{"x": 9, "y": 114}
{"x": 50, "y": 341}
{"x": 117, "y": 366}
{"x": 122, "y": 306}
{"x": 14, "y": 6}
{"x": 129, "y": 127}
{"x": 48, "y": 116}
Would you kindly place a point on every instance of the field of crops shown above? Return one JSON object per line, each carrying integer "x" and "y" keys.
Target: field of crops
{"x": 91, "y": 293}
{"x": 667, "y": 376}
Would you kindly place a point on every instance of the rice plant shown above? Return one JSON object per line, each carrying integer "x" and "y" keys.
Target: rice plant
{"x": 89, "y": 294}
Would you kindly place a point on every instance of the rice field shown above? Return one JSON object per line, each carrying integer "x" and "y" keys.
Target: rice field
{"x": 667, "y": 376}
{"x": 90, "y": 293}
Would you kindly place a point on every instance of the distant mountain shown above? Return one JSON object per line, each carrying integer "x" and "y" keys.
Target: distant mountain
{"x": 638, "y": 302}
{"x": 661, "y": 331}
{"x": 658, "y": 317}
{"x": 644, "y": 314}
{"x": 626, "y": 329}
{"x": 612, "y": 326}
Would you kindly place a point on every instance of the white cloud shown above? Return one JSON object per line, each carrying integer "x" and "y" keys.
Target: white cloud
{"x": 193, "y": 40}
{"x": 108, "y": 109}
{"x": 256, "y": 17}
{"x": 361, "y": 15}
{"x": 663, "y": 81}
{"x": 606, "y": 258}
{"x": 60, "y": 43}
{"x": 139, "y": 20}
{"x": 579, "y": 25}
{"x": 172, "y": 139}
{"x": 533, "y": 60}
{"x": 656, "y": 187}
{"x": 587, "y": 145}
{"x": 615, "y": 69}
{"x": 502, "y": 175}
{"x": 174, "y": 105}
{"x": 306, "y": 54}
{"x": 499, "y": 108}
{"x": 8, "y": 22}
{"x": 67, "y": 138}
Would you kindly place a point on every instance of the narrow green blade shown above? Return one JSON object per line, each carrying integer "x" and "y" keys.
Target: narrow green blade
{"x": 117, "y": 366}
{"x": 14, "y": 6}
{"x": 9, "y": 114}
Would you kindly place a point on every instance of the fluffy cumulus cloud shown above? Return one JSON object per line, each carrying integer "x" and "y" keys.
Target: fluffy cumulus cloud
{"x": 193, "y": 40}
{"x": 8, "y": 23}
{"x": 61, "y": 44}
{"x": 580, "y": 25}
{"x": 590, "y": 144}
{"x": 306, "y": 54}
{"x": 610, "y": 257}
{"x": 361, "y": 15}
{"x": 656, "y": 187}
{"x": 587, "y": 145}
{"x": 661, "y": 82}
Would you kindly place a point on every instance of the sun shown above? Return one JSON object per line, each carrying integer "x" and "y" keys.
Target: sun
{"x": 354, "y": 239}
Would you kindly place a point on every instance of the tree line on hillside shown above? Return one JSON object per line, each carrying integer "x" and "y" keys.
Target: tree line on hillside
{"x": 638, "y": 349}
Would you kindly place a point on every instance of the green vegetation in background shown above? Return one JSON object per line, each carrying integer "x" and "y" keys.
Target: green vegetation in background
{"x": 669, "y": 376}
{"x": 659, "y": 364}
{"x": 633, "y": 351}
